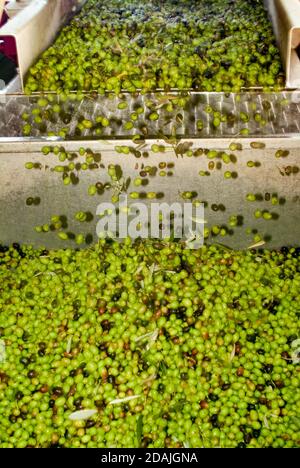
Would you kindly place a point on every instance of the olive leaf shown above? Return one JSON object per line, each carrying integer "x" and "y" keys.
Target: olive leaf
{"x": 82, "y": 415}
{"x": 119, "y": 172}
{"x": 162, "y": 368}
{"x": 69, "y": 344}
{"x": 123, "y": 400}
{"x": 257, "y": 244}
{"x": 232, "y": 354}
{"x": 127, "y": 183}
{"x": 223, "y": 247}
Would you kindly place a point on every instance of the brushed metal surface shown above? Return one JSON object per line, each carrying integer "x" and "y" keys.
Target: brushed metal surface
{"x": 280, "y": 111}
{"x": 17, "y": 220}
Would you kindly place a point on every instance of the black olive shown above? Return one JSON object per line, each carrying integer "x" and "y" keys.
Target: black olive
{"x": 31, "y": 374}
{"x": 180, "y": 313}
{"x": 273, "y": 305}
{"x": 296, "y": 254}
{"x": 208, "y": 74}
{"x": 251, "y": 338}
{"x": 214, "y": 420}
{"x": 51, "y": 403}
{"x": 111, "y": 379}
{"x": 57, "y": 391}
{"x": 213, "y": 397}
{"x": 226, "y": 64}
{"x": 78, "y": 402}
{"x": 146, "y": 442}
{"x": 89, "y": 423}
{"x": 250, "y": 407}
{"x": 279, "y": 383}
{"x": 76, "y": 304}
{"x": 225, "y": 386}
{"x": 268, "y": 368}
{"x": 216, "y": 424}
{"x": 106, "y": 325}
{"x": 256, "y": 433}
{"x": 260, "y": 351}
{"x": 116, "y": 296}
{"x": 102, "y": 347}
{"x": 260, "y": 387}
{"x": 19, "y": 395}
{"x": 247, "y": 438}
{"x": 284, "y": 250}
{"x": 161, "y": 388}
{"x": 41, "y": 352}
{"x": 185, "y": 266}
{"x": 241, "y": 445}
{"x": 25, "y": 361}
{"x": 199, "y": 311}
